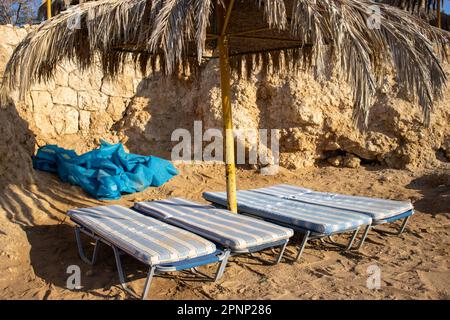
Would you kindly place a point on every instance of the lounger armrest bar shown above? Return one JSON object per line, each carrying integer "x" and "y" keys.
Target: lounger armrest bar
{"x": 266, "y": 246}
{"x": 394, "y": 218}
{"x": 217, "y": 256}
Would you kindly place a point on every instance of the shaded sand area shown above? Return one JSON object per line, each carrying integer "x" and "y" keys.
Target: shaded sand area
{"x": 37, "y": 242}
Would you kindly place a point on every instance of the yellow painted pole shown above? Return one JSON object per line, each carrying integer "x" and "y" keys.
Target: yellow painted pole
{"x": 439, "y": 24}
{"x": 49, "y": 9}
{"x": 230, "y": 168}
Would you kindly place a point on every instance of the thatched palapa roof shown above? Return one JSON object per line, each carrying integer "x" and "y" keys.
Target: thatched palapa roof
{"x": 290, "y": 34}
{"x": 415, "y": 6}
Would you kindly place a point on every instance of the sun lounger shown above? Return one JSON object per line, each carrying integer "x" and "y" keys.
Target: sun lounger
{"x": 238, "y": 233}
{"x": 160, "y": 246}
{"x": 312, "y": 220}
{"x": 380, "y": 210}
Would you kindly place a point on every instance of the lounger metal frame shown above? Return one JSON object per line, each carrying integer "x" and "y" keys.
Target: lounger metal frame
{"x": 311, "y": 235}
{"x": 403, "y": 216}
{"x": 282, "y": 244}
{"x": 220, "y": 256}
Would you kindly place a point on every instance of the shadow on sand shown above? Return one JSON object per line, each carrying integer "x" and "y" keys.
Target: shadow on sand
{"x": 435, "y": 189}
{"x": 54, "y": 249}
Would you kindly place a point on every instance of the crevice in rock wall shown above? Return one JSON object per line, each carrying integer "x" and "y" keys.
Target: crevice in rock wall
{"x": 443, "y": 155}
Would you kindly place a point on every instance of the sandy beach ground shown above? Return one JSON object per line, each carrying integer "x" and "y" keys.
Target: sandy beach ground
{"x": 37, "y": 242}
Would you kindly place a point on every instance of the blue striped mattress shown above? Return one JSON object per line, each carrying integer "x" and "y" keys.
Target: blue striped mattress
{"x": 148, "y": 240}
{"x": 377, "y": 209}
{"x": 232, "y": 231}
{"x": 308, "y": 216}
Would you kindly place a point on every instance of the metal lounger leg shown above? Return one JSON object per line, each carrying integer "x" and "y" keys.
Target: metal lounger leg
{"x": 148, "y": 281}
{"x": 303, "y": 245}
{"x": 220, "y": 269}
{"x": 403, "y": 226}
{"x": 331, "y": 239}
{"x": 280, "y": 254}
{"x": 81, "y": 250}
{"x": 363, "y": 238}
{"x": 396, "y": 233}
{"x": 119, "y": 268}
{"x": 194, "y": 270}
{"x": 222, "y": 266}
{"x": 350, "y": 244}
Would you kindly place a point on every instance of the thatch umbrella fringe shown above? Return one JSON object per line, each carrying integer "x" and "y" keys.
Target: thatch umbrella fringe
{"x": 171, "y": 35}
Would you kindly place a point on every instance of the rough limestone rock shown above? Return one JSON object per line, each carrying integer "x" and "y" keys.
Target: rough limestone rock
{"x": 446, "y": 147}
{"x": 85, "y": 121}
{"x": 116, "y": 107}
{"x": 351, "y": 161}
{"x": 65, "y": 96}
{"x": 92, "y": 100}
{"x": 336, "y": 161}
{"x": 312, "y": 117}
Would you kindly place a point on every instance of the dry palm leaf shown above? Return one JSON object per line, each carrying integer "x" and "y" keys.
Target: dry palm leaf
{"x": 360, "y": 40}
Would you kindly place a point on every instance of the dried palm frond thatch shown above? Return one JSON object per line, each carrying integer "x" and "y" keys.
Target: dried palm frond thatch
{"x": 428, "y": 10}
{"x": 360, "y": 42}
{"x": 415, "y": 6}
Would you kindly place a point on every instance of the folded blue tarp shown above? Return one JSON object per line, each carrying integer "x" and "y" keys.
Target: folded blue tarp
{"x": 107, "y": 172}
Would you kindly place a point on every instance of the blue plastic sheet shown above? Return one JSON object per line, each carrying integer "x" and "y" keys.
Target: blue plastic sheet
{"x": 107, "y": 172}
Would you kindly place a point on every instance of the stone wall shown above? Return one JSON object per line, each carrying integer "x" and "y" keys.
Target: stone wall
{"x": 74, "y": 102}
{"x": 314, "y": 117}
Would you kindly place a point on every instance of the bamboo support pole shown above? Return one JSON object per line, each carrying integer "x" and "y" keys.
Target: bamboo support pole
{"x": 439, "y": 23}
{"x": 49, "y": 9}
{"x": 230, "y": 167}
